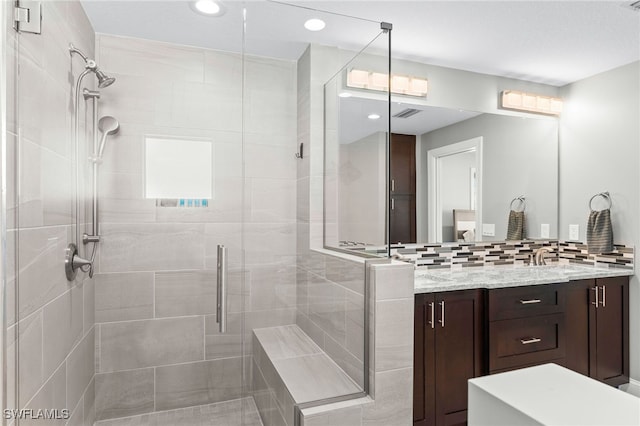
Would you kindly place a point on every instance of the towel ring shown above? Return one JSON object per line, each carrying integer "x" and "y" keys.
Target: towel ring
{"x": 604, "y": 195}
{"x": 522, "y": 201}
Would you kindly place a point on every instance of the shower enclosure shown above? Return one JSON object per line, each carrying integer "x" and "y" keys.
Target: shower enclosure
{"x": 201, "y": 130}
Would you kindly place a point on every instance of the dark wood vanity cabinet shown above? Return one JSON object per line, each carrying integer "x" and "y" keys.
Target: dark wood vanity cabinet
{"x": 597, "y": 318}
{"x": 448, "y": 341}
{"x": 582, "y": 325}
{"x": 526, "y": 326}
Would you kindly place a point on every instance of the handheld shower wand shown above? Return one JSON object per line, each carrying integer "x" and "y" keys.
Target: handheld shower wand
{"x": 108, "y": 126}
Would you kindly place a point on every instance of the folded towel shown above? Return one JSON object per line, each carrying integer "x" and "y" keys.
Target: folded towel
{"x": 600, "y": 232}
{"x": 516, "y": 228}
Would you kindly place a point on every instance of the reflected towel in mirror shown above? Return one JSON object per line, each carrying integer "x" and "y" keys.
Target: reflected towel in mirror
{"x": 516, "y": 227}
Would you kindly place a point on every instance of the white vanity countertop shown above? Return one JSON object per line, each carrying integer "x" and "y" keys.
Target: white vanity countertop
{"x": 548, "y": 395}
{"x": 435, "y": 280}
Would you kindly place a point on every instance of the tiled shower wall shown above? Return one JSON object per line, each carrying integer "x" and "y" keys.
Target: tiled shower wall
{"x": 157, "y": 344}
{"x": 53, "y": 322}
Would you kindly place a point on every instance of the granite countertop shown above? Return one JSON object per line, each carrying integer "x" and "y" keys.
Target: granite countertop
{"x": 431, "y": 281}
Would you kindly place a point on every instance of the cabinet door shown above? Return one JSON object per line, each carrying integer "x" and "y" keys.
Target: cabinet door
{"x": 609, "y": 332}
{"x": 403, "y": 164}
{"x": 458, "y": 352}
{"x": 403, "y": 219}
{"x": 403, "y": 189}
{"x": 423, "y": 362}
{"x": 580, "y": 295}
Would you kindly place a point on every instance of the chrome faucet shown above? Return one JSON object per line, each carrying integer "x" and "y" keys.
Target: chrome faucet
{"x": 539, "y": 256}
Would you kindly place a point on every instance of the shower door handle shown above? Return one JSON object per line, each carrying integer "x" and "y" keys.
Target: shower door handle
{"x": 221, "y": 300}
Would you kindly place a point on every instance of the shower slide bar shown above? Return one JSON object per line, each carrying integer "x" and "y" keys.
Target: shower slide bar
{"x": 108, "y": 126}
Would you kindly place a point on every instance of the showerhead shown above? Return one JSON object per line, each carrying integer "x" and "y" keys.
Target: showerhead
{"x": 103, "y": 79}
{"x": 108, "y": 126}
{"x": 90, "y": 64}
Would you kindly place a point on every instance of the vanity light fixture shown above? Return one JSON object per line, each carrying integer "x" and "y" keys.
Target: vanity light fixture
{"x": 208, "y": 7}
{"x": 315, "y": 24}
{"x": 400, "y": 84}
{"x": 530, "y": 102}
{"x": 373, "y": 116}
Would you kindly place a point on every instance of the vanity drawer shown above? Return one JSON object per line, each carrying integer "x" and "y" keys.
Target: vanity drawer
{"x": 526, "y": 341}
{"x": 520, "y": 302}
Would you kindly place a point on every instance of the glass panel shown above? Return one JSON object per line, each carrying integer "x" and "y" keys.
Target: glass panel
{"x": 126, "y": 327}
{"x": 356, "y": 150}
{"x": 8, "y": 114}
{"x": 140, "y": 336}
{"x": 309, "y": 323}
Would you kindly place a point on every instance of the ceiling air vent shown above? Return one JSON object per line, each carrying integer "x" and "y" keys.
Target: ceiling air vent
{"x": 407, "y": 113}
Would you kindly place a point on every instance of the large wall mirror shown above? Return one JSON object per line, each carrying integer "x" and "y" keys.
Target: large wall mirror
{"x": 455, "y": 175}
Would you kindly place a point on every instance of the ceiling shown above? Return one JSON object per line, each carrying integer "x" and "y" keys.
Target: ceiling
{"x": 551, "y": 42}
{"x": 354, "y": 124}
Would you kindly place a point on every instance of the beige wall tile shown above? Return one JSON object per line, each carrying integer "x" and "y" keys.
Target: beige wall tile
{"x": 51, "y": 395}
{"x": 198, "y": 383}
{"x": 147, "y": 247}
{"x": 62, "y": 327}
{"x": 223, "y": 345}
{"x": 124, "y": 393}
{"x": 394, "y": 399}
{"x": 80, "y": 368}
{"x": 394, "y": 334}
{"x": 42, "y": 277}
{"x": 185, "y": 293}
{"x": 146, "y": 343}
{"x": 29, "y": 351}
{"x": 123, "y": 296}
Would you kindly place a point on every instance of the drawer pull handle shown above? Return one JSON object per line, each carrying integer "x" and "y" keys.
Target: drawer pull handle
{"x": 597, "y": 294}
{"x": 530, "y": 301}
{"x": 530, "y": 341}
{"x": 604, "y": 296}
{"x": 441, "y": 321}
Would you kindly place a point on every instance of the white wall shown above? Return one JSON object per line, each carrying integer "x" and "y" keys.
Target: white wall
{"x": 361, "y": 190}
{"x": 599, "y": 151}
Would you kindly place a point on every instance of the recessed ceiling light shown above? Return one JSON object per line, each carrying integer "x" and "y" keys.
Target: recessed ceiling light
{"x": 314, "y": 24}
{"x": 344, "y": 94}
{"x": 208, "y": 7}
{"x": 373, "y": 116}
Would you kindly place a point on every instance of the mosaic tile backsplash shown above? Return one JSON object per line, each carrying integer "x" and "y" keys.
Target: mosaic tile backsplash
{"x": 479, "y": 254}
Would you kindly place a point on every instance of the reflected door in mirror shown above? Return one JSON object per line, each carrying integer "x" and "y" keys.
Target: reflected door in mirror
{"x": 402, "y": 215}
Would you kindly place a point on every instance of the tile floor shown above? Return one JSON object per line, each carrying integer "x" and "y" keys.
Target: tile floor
{"x": 227, "y": 413}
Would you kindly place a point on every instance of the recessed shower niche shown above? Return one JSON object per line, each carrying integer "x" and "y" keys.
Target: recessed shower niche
{"x": 178, "y": 168}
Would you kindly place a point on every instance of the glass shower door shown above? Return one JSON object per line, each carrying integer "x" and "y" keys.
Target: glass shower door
{"x": 140, "y": 339}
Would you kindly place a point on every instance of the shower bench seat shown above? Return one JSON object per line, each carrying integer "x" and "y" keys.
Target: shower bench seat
{"x": 290, "y": 369}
